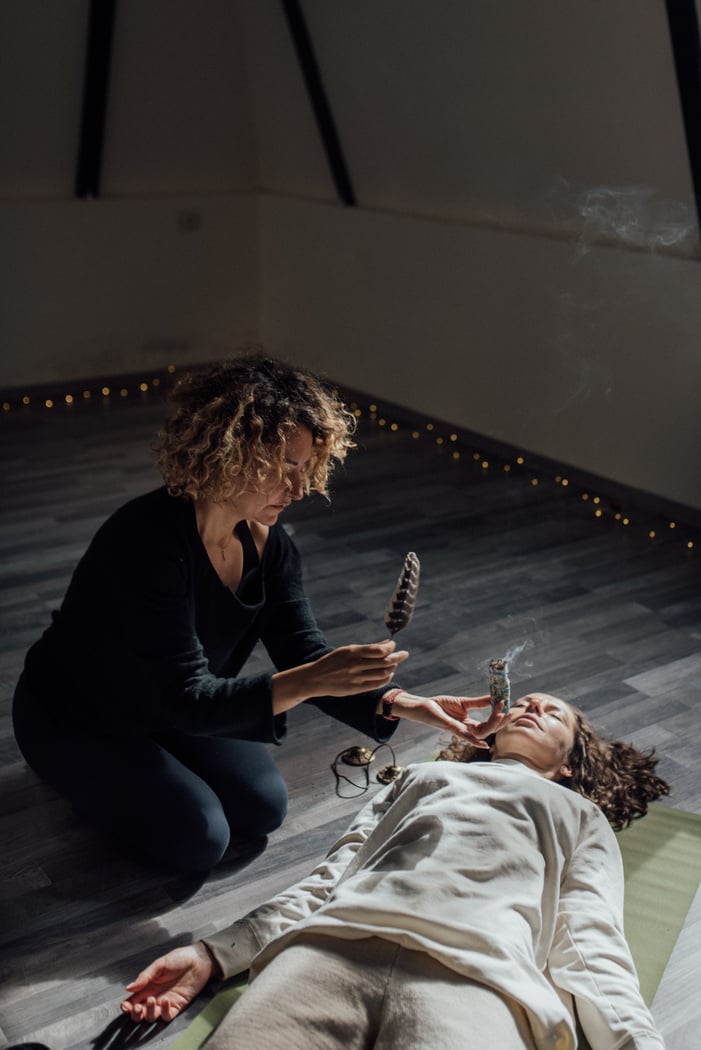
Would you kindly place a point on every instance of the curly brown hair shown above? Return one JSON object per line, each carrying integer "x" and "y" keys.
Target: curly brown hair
{"x": 231, "y": 421}
{"x": 618, "y": 777}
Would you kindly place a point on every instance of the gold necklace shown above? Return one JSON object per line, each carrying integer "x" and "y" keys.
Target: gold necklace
{"x": 222, "y": 546}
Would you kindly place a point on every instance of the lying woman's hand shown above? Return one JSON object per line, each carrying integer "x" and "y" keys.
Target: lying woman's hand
{"x": 169, "y": 984}
{"x": 344, "y": 671}
{"x": 450, "y": 713}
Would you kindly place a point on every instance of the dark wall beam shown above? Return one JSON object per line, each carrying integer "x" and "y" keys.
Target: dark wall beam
{"x": 98, "y": 55}
{"x": 683, "y": 21}
{"x": 322, "y": 110}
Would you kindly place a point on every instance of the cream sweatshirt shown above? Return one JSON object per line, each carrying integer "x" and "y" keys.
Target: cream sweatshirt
{"x": 500, "y": 874}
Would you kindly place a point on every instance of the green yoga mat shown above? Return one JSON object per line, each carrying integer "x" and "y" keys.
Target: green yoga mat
{"x": 662, "y": 860}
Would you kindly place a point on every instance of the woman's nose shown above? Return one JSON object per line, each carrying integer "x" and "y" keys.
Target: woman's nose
{"x": 296, "y": 486}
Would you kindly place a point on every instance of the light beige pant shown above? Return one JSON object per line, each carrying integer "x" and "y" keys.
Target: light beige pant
{"x": 323, "y": 993}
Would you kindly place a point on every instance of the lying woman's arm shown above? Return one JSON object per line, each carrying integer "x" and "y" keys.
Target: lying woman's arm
{"x": 590, "y": 957}
{"x": 164, "y": 989}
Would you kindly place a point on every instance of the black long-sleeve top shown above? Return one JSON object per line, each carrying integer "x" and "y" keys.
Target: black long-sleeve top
{"x": 149, "y": 639}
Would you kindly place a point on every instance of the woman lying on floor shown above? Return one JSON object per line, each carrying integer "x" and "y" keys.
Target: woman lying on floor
{"x": 468, "y": 905}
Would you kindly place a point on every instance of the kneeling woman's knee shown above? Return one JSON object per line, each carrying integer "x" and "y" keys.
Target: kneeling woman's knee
{"x": 276, "y": 805}
{"x": 202, "y": 841}
{"x": 266, "y": 807}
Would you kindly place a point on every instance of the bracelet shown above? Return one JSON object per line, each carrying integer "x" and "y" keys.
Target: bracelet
{"x": 387, "y": 701}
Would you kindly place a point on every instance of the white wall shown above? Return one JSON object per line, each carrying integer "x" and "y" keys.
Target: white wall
{"x": 554, "y": 116}
{"x": 162, "y": 268}
{"x": 525, "y": 258}
{"x": 115, "y": 286}
{"x": 591, "y": 359}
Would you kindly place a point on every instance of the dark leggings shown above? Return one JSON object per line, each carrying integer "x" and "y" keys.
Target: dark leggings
{"x": 172, "y": 799}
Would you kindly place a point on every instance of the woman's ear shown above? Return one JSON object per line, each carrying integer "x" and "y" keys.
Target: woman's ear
{"x": 565, "y": 772}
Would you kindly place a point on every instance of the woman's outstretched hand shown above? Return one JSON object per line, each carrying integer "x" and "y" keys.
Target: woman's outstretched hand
{"x": 344, "y": 671}
{"x": 451, "y": 713}
{"x": 169, "y": 984}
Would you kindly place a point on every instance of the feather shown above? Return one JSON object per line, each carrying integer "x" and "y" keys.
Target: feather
{"x": 499, "y": 684}
{"x": 403, "y": 601}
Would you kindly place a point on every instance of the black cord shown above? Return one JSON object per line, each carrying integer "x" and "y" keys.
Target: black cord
{"x": 361, "y": 758}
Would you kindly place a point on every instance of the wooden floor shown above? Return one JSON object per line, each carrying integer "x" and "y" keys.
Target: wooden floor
{"x": 591, "y": 609}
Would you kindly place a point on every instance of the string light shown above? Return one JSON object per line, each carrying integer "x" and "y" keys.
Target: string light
{"x": 600, "y": 511}
{"x": 69, "y": 398}
{"x": 154, "y": 382}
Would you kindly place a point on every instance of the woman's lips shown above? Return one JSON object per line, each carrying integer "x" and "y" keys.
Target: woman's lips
{"x": 529, "y": 720}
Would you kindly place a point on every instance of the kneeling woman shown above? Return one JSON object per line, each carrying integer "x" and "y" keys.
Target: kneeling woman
{"x": 133, "y": 704}
{"x": 470, "y": 904}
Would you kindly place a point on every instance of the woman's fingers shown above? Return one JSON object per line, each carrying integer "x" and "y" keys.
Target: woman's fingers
{"x": 362, "y": 666}
{"x": 153, "y": 1009}
{"x": 449, "y": 713}
{"x": 495, "y": 720}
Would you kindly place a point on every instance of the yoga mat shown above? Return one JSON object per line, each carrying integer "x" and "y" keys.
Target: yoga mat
{"x": 204, "y": 1024}
{"x": 662, "y": 862}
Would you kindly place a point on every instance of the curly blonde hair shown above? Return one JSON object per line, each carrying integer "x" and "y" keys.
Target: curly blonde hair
{"x": 618, "y": 777}
{"x": 231, "y": 422}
